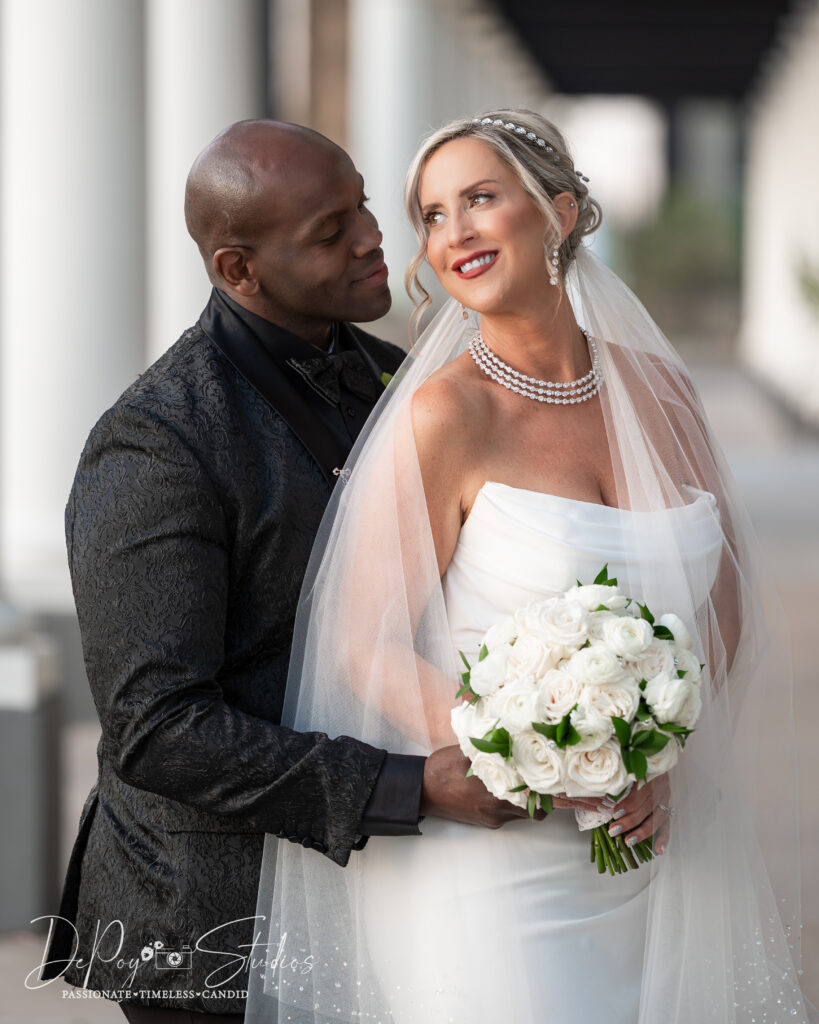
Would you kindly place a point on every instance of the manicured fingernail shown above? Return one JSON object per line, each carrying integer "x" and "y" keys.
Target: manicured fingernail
{"x": 632, "y": 841}
{"x": 660, "y": 848}
{"x": 608, "y": 802}
{"x": 618, "y": 814}
{"x": 615, "y": 830}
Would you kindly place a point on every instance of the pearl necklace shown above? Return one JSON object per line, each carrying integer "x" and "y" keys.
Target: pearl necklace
{"x": 554, "y": 392}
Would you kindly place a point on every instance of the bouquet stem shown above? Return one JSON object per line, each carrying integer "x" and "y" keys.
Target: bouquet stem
{"x": 613, "y": 855}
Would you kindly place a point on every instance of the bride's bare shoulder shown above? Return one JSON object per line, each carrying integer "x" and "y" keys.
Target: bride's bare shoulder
{"x": 449, "y": 407}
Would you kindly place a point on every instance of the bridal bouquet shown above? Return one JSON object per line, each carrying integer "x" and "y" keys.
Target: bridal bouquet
{"x": 578, "y": 695}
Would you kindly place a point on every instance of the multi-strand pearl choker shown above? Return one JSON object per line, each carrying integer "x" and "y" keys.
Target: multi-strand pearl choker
{"x": 554, "y": 392}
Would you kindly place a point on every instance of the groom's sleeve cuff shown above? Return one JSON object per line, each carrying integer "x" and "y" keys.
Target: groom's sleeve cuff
{"x": 393, "y": 807}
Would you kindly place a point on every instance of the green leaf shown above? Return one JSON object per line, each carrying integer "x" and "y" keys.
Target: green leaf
{"x": 386, "y": 378}
{"x": 463, "y": 659}
{"x": 645, "y": 613}
{"x": 643, "y": 685}
{"x": 495, "y": 741}
{"x": 639, "y": 765}
{"x": 622, "y": 729}
{"x": 627, "y": 759}
{"x": 657, "y": 742}
{"x": 465, "y": 687}
{"x": 639, "y": 739}
{"x": 663, "y": 633}
{"x": 484, "y": 651}
{"x": 532, "y": 803}
{"x": 681, "y": 673}
{"x": 600, "y": 608}
{"x": 546, "y": 803}
{"x": 470, "y": 773}
{"x": 545, "y": 729}
{"x": 603, "y": 575}
{"x": 643, "y": 714}
{"x": 518, "y": 789}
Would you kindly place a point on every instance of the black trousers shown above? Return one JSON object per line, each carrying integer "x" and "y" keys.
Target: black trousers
{"x": 137, "y": 1014}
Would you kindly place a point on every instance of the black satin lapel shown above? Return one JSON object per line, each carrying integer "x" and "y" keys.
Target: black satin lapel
{"x": 249, "y": 357}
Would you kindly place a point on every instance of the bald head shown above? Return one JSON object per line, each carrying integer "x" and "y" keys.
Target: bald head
{"x": 249, "y": 164}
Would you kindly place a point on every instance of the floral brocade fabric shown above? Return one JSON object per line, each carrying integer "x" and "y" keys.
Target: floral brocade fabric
{"x": 189, "y": 527}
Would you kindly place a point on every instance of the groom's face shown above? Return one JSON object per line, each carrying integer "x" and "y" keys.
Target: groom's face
{"x": 318, "y": 250}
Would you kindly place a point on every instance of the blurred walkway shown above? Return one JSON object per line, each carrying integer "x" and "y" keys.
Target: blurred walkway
{"x": 777, "y": 467}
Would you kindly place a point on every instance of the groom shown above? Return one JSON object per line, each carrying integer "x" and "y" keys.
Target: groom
{"x": 189, "y": 526}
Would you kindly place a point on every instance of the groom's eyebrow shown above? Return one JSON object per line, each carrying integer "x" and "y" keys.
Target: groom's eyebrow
{"x": 463, "y": 192}
{"x": 321, "y": 219}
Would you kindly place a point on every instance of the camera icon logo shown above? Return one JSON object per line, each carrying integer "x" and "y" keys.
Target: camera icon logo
{"x": 172, "y": 959}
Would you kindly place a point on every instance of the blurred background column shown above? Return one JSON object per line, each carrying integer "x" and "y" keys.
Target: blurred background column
{"x": 72, "y": 337}
{"x": 205, "y": 68}
{"x": 780, "y": 328}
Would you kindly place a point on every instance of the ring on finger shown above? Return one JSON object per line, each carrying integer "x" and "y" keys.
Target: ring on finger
{"x": 668, "y": 810}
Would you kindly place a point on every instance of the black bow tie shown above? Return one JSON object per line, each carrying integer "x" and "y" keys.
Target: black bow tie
{"x": 324, "y": 373}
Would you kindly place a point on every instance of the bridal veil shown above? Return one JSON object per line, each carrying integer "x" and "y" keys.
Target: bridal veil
{"x": 373, "y": 658}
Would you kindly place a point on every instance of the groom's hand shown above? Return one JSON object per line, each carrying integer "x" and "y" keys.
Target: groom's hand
{"x": 447, "y": 793}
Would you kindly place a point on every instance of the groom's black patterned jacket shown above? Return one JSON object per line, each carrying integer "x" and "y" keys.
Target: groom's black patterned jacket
{"x": 189, "y": 527}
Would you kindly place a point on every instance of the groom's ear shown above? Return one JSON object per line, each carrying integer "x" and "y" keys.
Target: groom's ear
{"x": 565, "y": 206}
{"x": 234, "y": 266}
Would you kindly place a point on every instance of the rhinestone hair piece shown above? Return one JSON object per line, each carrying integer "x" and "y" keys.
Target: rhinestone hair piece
{"x": 520, "y": 130}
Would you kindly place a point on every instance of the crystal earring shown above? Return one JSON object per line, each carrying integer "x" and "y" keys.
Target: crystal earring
{"x": 553, "y": 268}
{"x": 464, "y": 312}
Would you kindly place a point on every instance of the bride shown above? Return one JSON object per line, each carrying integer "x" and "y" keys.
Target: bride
{"x": 540, "y": 428}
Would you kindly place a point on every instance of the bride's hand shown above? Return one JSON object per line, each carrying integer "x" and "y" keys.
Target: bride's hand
{"x": 643, "y": 813}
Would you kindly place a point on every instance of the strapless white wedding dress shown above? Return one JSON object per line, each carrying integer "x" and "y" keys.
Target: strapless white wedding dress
{"x": 568, "y": 948}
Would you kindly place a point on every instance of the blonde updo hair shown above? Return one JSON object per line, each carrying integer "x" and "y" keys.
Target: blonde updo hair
{"x": 543, "y": 171}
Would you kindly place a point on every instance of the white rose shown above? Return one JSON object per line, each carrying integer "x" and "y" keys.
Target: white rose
{"x": 690, "y": 711}
{"x": 627, "y": 636}
{"x": 515, "y": 705}
{"x": 470, "y": 720}
{"x": 666, "y": 695}
{"x": 595, "y": 665}
{"x": 562, "y": 624}
{"x": 594, "y": 727}
{"x": 688, "y": 662}
{"x": 558, "y": 692}
{"x": 502, "y": 632}
{"x": 659, "y": 764}
{"x": 656, "y": 659}
{"x": 539, "y": 762}
{"x": 530, "y": 656}
{"x": 486, "y": 676}
{"x": 673, "y": 622}
{"x": 621, "y": 699}
{"x": 499, "y": 777}
{"x": 595, "y": 772}
{"x": 593, "y": 595}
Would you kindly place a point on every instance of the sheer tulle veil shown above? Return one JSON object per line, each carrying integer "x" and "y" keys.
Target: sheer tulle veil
{"x": 373, "y": 658}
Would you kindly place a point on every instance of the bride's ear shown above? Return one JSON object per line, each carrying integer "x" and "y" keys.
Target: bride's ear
{"x": 565, "y": 206}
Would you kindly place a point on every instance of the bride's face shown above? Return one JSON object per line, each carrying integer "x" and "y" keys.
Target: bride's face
{"x": 486, "y": 235}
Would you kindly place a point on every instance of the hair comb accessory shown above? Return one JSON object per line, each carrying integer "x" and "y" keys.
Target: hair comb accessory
{"x": 525, "y": 133}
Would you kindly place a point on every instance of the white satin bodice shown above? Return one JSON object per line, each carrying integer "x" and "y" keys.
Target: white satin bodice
{"x": 518, "y": 545}
{"x": 561, "y": 918}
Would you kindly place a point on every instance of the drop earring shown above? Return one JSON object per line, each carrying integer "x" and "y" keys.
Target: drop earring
{"x": 553, "y": 267}
{"x": 464, "y": 312}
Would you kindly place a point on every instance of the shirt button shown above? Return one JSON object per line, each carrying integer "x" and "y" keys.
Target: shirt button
{"x": 351, "y": 412}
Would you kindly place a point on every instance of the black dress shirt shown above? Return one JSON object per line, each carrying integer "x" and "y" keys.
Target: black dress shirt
{"x": 393, "y": 808}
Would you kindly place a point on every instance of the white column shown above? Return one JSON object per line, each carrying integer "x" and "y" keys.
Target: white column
{"x": 71, "y": 326}
{"x": 205, "y": 69}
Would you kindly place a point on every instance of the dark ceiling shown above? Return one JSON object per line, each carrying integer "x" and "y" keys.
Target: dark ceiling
{"x": 663, "y": 50}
